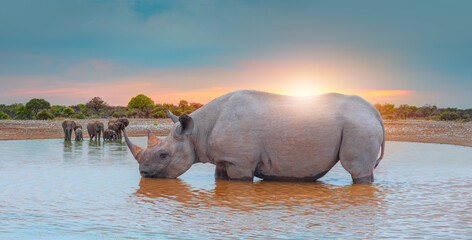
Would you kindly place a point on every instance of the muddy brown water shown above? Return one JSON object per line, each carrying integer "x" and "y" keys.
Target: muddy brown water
{"x": 83, "y": 190}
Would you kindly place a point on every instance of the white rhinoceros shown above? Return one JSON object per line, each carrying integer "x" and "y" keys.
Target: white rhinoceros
{"x": 249, "y": 133}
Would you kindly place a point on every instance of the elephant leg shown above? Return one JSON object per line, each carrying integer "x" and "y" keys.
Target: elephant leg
{"x": 358, "y": 155}
{"x": 220, "y": 171}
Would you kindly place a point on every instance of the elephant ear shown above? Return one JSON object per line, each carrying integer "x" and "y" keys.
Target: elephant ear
{"x": 124, "y": 121}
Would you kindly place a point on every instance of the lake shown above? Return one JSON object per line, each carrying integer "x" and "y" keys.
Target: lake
{"x": 50, "y": 189}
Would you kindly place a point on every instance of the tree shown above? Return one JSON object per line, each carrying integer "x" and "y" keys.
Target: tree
{"x": 168, "y": 106}
{"x": 96, "y": 104}
{"x": 57, "y": 110}
{"x": 183, "y": 104}
{"x": 4, "y": 115}
{"x": 10, "y": 110}
{"x": 68, "y": 111}
{"x": 23, "y": 113}
{"x": 36, "y": 104}
{"x": 45, "y": 115}
{"x": 140, "y": 102}
{"x": 196, "y": 105}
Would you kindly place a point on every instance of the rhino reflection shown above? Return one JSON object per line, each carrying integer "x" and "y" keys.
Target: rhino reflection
{"x": 248, "y": 196}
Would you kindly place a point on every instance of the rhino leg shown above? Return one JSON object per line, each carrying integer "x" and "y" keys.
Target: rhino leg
{"x": 220, "y": 171}
{"x": 234, "y": 170}
{"x": 239, "y": 173}
{"x": 358, "y": 154}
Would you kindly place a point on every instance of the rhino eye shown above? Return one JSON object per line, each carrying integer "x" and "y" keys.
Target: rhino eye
{"x": 163, "y": 155}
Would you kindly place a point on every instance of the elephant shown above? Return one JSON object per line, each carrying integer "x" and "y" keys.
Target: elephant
{"x": 68, "y": 126}
{"x": 118, "y": 125}
{"x": 109, "y": 135}
{"x": 77, "y": 126}
{"x": 95, "y": 129}
{"x": 78, "y": 134}
{"x": 249, "y": 134}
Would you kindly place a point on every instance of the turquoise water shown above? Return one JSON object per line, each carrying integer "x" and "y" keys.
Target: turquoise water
{"x": 82, "y": 190}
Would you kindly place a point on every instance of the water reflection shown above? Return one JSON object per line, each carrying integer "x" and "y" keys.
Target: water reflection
{"x": 248, "y": 196}
{"x": 72, "y": 150}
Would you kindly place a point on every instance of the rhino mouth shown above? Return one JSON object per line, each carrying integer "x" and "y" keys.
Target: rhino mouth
{"x": 154, "y": 174}
{"x": 150, "y": 175}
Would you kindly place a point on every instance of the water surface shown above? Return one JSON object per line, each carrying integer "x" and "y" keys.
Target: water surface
{"x": 51, "y": 189}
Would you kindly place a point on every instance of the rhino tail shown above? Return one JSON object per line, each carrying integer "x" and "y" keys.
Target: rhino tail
{"x": 382, "y": 147}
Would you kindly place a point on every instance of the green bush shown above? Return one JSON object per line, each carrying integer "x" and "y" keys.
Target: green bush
{"x": 57, "y": 110}
{"x": 45, "y": 115}
{"x": 68, "y": 111}
{"x": 4, "y": 115}
{"x": 132, "y": 113}
{"x": 177, "y": 112}
{"x": 79, "y": 116}
{"x": 23, "y": 113}
{"x": 160, "y": 114}
{"x": 449, "y": 116}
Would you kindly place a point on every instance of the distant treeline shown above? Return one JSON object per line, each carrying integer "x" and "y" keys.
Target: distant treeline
{"x": 142, "y": 106}
{"x": 427, "y": 112}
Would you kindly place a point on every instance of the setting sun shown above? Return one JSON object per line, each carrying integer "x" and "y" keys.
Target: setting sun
{"x": 303, "y": 87}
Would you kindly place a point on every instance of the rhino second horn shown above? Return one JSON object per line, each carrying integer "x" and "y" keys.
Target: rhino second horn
{"x": 137, "y": 151}
{"x": 172, "y": 116}
{"x": 152, "y": 139}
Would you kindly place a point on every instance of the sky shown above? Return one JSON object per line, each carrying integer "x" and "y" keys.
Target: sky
{"x": 402, "y": 52}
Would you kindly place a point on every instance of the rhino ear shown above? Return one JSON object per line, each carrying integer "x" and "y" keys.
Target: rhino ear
{"x": 186, "y": 124}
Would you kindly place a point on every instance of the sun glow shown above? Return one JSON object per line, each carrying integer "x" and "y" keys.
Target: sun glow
{"x": 303, "y": 87}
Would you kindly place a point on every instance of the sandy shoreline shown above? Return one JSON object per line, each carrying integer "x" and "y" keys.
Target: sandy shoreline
{"x": 396, "y": 130}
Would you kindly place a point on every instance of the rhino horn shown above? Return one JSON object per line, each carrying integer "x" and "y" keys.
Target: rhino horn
{"x": 137, "y": 151}
{"x": 172, "y": 116}
{"x": 152, "y": 139}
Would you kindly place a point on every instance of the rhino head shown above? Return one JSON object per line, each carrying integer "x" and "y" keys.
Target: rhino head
{"x": 168, "y": 158}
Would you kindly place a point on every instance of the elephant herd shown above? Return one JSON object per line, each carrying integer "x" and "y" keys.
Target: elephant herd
{"x": 96, "y": 129}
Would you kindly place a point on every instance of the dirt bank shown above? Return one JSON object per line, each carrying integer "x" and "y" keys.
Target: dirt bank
{"x": 429, "y": 132}
{"x": 404, "y": 130}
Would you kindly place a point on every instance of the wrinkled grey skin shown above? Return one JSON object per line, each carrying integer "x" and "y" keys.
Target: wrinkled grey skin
{"x": 109, "y": 135}
{"x": 95, "y": 129}
{"x": 274, "y": 137}
{"x": 78, "y": 134}
{"x": 77, "y": 126}
{"x": 68, "y": 126}
{"x": 118, "y": 125}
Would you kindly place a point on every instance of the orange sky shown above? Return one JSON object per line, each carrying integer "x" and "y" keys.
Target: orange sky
{"x": 204, "y": 84}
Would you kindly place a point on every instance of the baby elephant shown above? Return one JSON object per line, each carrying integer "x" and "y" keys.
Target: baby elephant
{"x": 109, "y": 135}
{"x": 78, "y": 134}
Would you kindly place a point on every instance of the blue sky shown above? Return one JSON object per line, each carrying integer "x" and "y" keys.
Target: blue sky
{"x": 413, "y": 52}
